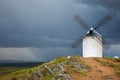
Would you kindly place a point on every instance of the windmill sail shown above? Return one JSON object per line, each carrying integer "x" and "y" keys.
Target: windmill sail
{"x": 102, "y": 22}
{"x": 81, "y": 22}
{"x": 77, "y": 42}
{"x": 91, "y": 32}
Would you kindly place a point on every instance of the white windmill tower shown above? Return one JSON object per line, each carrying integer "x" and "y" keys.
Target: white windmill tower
{"x": 92, "y": 40}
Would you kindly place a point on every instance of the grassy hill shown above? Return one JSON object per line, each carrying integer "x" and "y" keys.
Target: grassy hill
{"x": 71, "y": 68}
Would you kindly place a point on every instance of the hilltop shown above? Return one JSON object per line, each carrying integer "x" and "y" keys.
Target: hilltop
{"x": 71, "y": 68}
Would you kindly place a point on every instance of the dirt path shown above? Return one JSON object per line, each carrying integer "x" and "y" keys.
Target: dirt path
{"x": 100, "y": 72}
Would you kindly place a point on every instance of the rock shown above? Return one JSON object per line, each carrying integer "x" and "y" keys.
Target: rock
{"x": 39, "y": 74}
{"x": 34, "y": 76}
{"x": 50, "y": 71}
{"x": 62, "y": 69}
{"x": 68, "y": 57}
{"x": 64, "y": 77}
{"x": 98, "y": 70}
{"x": 58, "y": 68}
{"x": 108, "y": 77}
{"x": 76, "y": 65}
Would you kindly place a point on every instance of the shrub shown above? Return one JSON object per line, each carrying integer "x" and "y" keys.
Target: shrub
{"x": 116, "y": 59}
{"x": 14, "y": 78}
{"x": 117, "y": 69}
{"x": 107, "y": 64}
{"x": 107, "y": 57}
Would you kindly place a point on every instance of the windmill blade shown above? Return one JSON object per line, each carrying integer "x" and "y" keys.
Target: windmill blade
{"x": 98, "y": 39}
{"x": 102, "y": 22}
{"x": 102, "y": 42}
{"x": 81, "y": 22}
{"x": 106, "y": 45}
{"x": 77, "y": 42}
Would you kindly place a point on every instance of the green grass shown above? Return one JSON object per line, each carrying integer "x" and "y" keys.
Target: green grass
{"x": 59, "y": 59}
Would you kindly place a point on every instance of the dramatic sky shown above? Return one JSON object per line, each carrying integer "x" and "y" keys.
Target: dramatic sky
{"x": 44, "y": 29}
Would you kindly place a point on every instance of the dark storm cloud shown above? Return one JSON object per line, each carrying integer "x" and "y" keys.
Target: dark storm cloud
{"x": 50, "y": 23}
{"x": 44, "y": 29}
{"x": 34, "y": 23}
{"x": 115, "y": 4}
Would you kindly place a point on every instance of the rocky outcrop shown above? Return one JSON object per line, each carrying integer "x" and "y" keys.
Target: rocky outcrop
{"x": 59, "y": 69}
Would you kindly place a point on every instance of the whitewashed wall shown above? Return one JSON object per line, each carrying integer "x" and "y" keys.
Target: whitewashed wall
{"x": 91, "y": 47}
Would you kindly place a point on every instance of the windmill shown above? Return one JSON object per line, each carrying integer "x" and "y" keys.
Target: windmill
{"x": 92, "y": 40}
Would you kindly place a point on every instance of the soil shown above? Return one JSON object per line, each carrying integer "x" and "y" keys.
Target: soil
{"x": 98, "y": 72}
